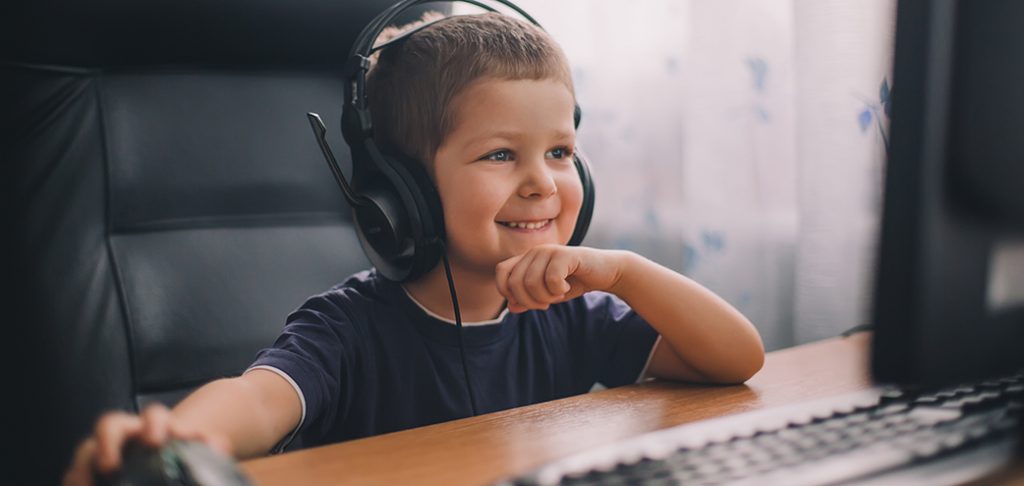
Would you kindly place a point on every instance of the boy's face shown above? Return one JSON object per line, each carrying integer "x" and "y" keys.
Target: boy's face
{"x": 505, "y": 172}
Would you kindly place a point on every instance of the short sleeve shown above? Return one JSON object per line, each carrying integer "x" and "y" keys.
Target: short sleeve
{"x": 622, "y": 341}
{"x": 315, "y": 352}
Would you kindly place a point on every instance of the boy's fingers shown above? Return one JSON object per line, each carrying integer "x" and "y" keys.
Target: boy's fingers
{"x": 517, "y": 284}
{"x": 155, "y": 422}
{"x": 111, "y": 432}
{"x": 557, "y": 271}
{"x": 80, "y": 473}
{"x": 502, "y": 272}
{"x": 534, "y": 280}
{"x": 501, "y": 281}
{"x": 506, "y": 266}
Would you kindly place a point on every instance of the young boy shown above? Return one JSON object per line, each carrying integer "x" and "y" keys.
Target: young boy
{"x": 487, "y": 102}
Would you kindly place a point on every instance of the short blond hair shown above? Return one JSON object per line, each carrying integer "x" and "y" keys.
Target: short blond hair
{"x": 412, "y": 84}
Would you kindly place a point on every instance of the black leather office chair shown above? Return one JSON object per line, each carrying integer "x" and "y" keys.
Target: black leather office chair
{"x": 169, "y": 203}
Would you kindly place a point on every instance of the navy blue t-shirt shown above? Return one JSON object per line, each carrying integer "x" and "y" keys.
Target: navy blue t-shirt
{"x": 366, "y": 359}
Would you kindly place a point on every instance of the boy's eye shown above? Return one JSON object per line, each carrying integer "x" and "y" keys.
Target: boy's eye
{"x": 499, "y": 156}
{"x": 559, "y": 153}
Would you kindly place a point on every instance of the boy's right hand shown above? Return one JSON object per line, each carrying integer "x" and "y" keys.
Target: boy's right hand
{"x": 100, "y": 454}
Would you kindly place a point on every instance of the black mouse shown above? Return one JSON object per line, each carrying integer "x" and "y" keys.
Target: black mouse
{"x": 177, "y": 463}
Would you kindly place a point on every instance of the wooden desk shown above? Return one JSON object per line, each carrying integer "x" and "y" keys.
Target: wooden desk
{"x": 480, "y": 450}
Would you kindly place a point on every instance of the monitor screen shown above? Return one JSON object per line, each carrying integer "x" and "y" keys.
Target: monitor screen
{"x": 949, "y": 290}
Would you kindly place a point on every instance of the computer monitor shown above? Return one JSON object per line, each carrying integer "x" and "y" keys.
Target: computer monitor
{"x": 949, "y": 294}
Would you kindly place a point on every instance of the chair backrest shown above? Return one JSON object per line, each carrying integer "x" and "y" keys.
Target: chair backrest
{"x": 170, "y": 204}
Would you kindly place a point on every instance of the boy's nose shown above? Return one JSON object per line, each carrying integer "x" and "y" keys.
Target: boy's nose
{"x": 538, "y": 181}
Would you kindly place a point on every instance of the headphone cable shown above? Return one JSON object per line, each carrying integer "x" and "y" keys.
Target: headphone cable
{"x": 458, "y": 324}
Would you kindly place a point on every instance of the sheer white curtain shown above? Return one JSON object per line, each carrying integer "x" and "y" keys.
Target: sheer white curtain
{"x": 739, "y": 142}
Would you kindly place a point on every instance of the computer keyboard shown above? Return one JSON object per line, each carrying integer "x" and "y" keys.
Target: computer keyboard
{"x": 850, "y": 438}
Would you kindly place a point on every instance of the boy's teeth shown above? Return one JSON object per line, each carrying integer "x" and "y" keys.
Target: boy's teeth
{"x": 532, "y": 225}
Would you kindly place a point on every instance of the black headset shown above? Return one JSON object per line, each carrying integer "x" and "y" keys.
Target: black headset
{"x": 396, "y": 209}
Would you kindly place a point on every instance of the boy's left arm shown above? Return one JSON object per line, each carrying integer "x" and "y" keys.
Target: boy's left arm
{"x": 703, "y": 338}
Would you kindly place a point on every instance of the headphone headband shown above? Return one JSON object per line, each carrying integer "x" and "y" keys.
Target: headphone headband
{"x": 363, "y": 44}
{"x": 360, "y": 126}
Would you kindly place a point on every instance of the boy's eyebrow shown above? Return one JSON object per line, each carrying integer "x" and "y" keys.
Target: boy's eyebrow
{"x": 512, "y": 135}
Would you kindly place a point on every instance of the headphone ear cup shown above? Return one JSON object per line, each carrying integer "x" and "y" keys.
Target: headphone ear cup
{"x": 383, "y": 222}
{"x": 423, "y": 208}
{"x": 383, "y": 230}
{"x": 587, "y": 208}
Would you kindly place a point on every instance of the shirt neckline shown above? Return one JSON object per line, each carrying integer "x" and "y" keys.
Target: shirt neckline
{"x": 496, "y": 320}
{"x": 444, "y": 331}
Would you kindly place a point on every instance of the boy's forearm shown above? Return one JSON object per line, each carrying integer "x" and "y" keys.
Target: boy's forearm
{"x": 705, "y": 331}
{"x": 251, "y": 411}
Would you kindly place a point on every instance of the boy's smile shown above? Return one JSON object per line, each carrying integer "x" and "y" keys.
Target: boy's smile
{"x": 527, "y": 225}
{"x": 505, "y": 172}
